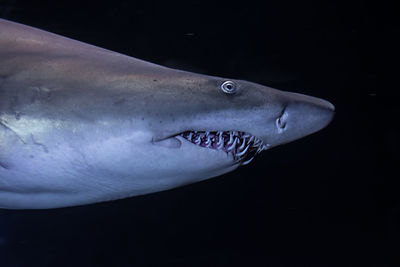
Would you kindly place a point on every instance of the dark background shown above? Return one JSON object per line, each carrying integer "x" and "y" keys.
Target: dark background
{"x": 326, "y": 200}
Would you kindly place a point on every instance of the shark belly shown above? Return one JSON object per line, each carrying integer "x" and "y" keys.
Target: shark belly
{"x": 62, "y": 168}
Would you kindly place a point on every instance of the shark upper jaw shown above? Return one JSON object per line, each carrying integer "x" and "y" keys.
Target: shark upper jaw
{"x": 240, "y": 146}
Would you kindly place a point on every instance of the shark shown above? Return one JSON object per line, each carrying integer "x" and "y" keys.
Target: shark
{"x": 81, "y": 124}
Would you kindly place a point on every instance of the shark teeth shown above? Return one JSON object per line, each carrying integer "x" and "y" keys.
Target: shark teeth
{"x": 241, "y": 145}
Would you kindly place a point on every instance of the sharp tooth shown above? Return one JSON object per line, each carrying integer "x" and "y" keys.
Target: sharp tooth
{"x": 220, "y": 143}
{"x": 265, "y": 147}
{"x": 243, "y": 152}
{"x": 248, "y": 161}
{"x": 233, "y": 145}
{"x": 207, "y": 133}
{"x": 230, "y": 138}
{"x": 198, "y": 140}
{"x": 189, "y": 137}
{"x": 242, "y": 146}
{"x": 208, "y": 141}
{"x": 260, "y": 148}
{"x": 251, "y": 138}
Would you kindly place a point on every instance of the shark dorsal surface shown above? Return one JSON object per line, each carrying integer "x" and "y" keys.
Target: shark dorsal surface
{"x": 80, "y": 124}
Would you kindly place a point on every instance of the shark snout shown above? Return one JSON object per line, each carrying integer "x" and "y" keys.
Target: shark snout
{"x": 302, "y": 115}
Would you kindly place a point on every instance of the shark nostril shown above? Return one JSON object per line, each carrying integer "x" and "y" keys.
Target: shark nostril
{"x": 281, "y": 122}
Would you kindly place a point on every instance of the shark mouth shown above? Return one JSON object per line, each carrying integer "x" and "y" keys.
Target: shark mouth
{"x": 241, "y": 145}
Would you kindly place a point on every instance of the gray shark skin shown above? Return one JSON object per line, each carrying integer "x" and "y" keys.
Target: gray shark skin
{"x": 80, "y": 124}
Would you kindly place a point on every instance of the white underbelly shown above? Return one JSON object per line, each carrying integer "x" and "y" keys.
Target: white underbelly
{"x": 68, "y": 175}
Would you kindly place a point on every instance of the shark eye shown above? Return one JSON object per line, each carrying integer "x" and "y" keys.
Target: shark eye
{"x": 229, "y": 87}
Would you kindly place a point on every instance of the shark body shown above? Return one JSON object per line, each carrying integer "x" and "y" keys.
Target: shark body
{"x": 80, "y": 124}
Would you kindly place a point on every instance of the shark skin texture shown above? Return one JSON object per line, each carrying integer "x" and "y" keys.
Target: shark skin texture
{"x": 80, "y": 124}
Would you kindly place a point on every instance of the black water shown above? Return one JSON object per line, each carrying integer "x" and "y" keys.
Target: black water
{"x": 326, "y": 200}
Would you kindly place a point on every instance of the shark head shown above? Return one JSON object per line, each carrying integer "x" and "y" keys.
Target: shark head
{"x": 202, "y": 126}
{"x": 223, "y": 110}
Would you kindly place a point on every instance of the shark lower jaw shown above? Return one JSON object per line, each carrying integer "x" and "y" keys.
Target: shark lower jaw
{"x": 240, "y": 145}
